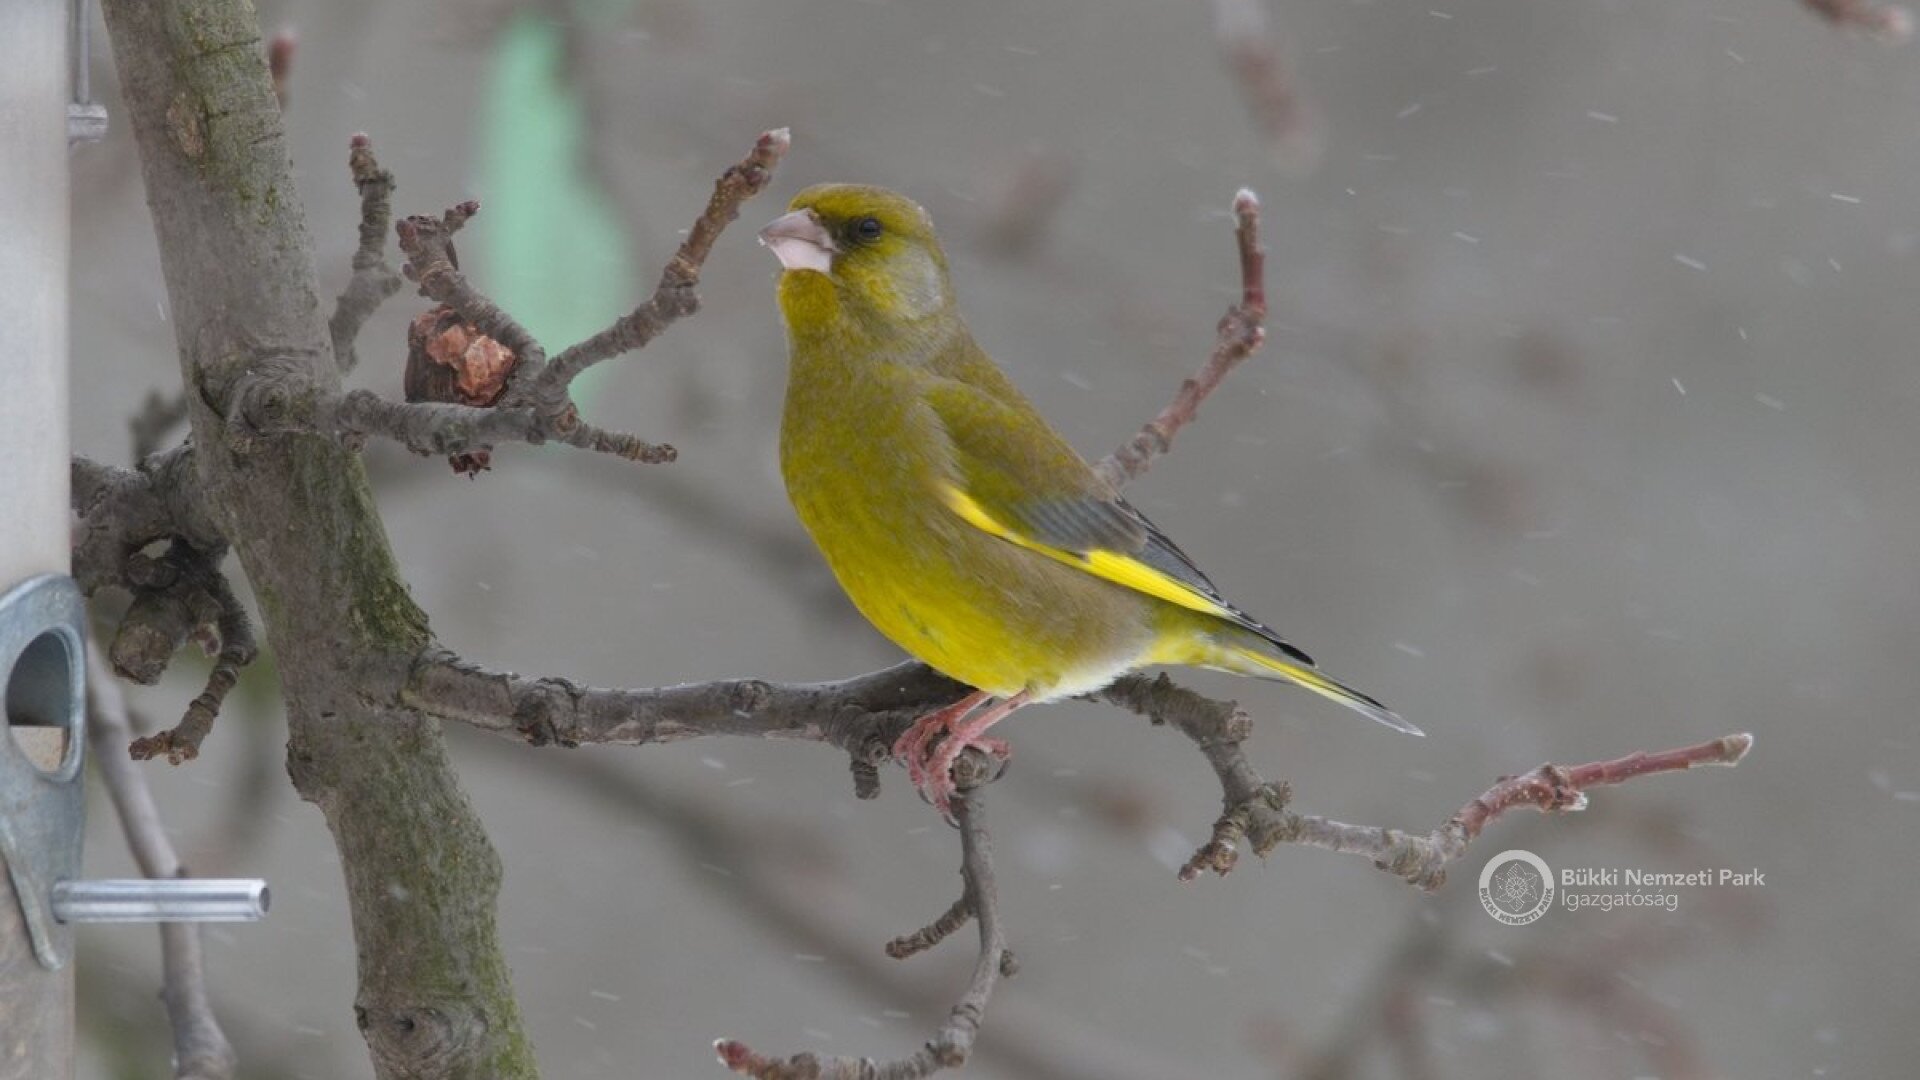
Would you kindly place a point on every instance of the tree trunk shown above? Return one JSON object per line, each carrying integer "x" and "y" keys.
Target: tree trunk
{"x": 434, "y": 994}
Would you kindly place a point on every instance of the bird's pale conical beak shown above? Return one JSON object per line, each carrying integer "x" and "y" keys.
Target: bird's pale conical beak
{"x": 800, "y": 242}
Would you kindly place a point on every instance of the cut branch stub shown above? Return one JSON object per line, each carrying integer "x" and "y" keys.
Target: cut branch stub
{"x": 452, "y": 362}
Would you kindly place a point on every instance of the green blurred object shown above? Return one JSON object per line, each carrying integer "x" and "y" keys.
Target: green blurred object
{"x": 553, "y": 252}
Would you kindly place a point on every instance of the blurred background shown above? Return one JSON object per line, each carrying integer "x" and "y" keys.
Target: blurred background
{"x": 1587, "y": 425}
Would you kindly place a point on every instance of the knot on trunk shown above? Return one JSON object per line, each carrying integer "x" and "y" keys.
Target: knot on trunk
{"x": 422, "y": 1040}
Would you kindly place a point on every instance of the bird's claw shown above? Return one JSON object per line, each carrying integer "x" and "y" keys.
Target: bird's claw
{"x": 935, "y": 742}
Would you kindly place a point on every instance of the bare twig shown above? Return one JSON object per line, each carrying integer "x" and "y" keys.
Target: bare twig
{"x": 427, "y": 242}
{"x": 1030, "y": 198}
{"x": 200, "y": 1048}
{"x": 178, "y": 595}
{"x": 935, "y": 932}
{"x": 1422, "y": 860}
{"x": 1272, "y": 89}
{"x": 1891, "y": 23}
{"x": 536, "y": 407}
{"x": 952, "y": 1044}
{"x": 439, "y": 428}
{"x": 236, "y": 650}
{"x": 1242, "y": 330}
{"x": 373, "y": 280}
{"x": 173, "y": 598}
{"x": 1258, "y": 811}
{"x": 674, "y": 297}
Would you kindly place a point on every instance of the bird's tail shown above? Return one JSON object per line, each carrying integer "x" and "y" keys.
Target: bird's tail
{"x": 1245, "y": 652}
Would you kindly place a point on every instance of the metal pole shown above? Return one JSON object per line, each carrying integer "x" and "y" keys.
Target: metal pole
{"x": 36, "y": 1004}
{"x": 145, "y": 900}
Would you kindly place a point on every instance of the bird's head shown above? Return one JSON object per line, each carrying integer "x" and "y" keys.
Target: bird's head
{"x": 877, "y": 249}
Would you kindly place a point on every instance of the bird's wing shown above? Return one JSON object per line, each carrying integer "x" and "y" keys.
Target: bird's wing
{"x": 1015, "y": 478}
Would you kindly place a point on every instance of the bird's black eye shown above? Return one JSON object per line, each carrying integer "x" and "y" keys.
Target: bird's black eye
{"x": 867, "y": 230}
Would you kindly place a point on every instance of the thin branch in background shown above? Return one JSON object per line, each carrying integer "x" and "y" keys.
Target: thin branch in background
{"x": 159, "y": 414}
{"x": 952, "y": 1044}
{"x": 250, "y": 794}
{"x": 777, "y": 549}
{"x": 1241, "y": 332}
{"x": 1028, "y": 200}
{"x": 1595, "y": 979}
{"x": 1891, "y": 23}
{"x": 280, "y": 52}
{"x": 775, "y": 876}
{"x": 1273, "y": 91}
{"x": 200, "y": 1048}
{"x": 373, "y": 280}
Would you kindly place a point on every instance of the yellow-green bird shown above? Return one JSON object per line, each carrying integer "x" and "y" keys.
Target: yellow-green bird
{"x": 957, "y": 520}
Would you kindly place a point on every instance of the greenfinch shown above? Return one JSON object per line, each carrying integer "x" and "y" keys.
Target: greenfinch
{"x": 957, "y": 520}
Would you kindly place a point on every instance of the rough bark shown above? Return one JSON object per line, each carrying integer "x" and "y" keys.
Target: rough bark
{"x": 434, "y": 997}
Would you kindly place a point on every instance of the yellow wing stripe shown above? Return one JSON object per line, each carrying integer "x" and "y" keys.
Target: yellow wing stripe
{"x": 1111, "y": 565}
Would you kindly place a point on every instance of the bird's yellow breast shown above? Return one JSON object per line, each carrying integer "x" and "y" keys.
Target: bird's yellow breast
{"x": 864, "y": 464}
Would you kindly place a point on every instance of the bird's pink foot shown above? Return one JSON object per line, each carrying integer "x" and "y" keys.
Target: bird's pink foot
{"x": 930, "y": 767}
{"x": 911, "y": 746}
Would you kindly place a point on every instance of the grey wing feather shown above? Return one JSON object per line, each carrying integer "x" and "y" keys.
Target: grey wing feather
{"x": 1088, "y": 524}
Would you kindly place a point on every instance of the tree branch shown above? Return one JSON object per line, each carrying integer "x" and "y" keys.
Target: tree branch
{"x": 673, "y": 298}
{"x": 121, "y": 511}
{"x": 373, "y": 281}
{"x": 1241, "y": 332}
{"x": 857, "y": 715}
{"x": 178, "y": 595}
{"x": 953, "y": 1043}
{"x": 232, "y": 630}
{"x": 200, "y": 1048}
{"x": 868, "y": 711}
{"x": 427, "y": 242}
{"x": 536, "y": 407}
{"x": 774, "y": 878}
{"x": 1258, "y": 811}
{"x": 437, "y": 428}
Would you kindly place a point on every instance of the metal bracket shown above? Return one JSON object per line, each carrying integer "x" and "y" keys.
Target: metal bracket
{"x": 42, "y": 803}
{"x": 42, "y": 808}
